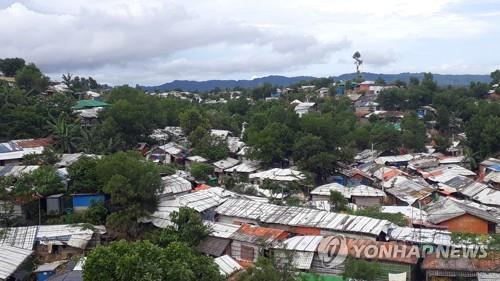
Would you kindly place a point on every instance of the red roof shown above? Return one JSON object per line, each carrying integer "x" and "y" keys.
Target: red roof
{"x": 249, "y": 233}
{"x": 201, "y": 187}
{"x": 35, "y": 143}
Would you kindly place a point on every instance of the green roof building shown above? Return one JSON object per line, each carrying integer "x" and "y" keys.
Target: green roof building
{"x": 83, "y": 104}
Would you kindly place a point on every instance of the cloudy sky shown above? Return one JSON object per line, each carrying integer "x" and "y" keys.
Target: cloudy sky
{"x": 156, "y": 41}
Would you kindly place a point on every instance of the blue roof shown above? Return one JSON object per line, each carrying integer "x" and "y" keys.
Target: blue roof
{"x": 495, "y": 168}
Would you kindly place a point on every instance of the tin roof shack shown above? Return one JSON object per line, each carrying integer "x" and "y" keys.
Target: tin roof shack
{"x": 303, "y": 221}
{"x": 300, "y": 249}
{"x": 194, "y": 159}
{"x": 243, "y": 170}
{"x": 361, "y": 195}
{"x": 420, "y": 236}
{"x": 19, "y": 237}
{"x": 396, "y": 161}
{"x": 444, "y": 173}
{"x": 462, "y": 216}
{"x": 168, "y": 134}
{"x": 11, "y": 261}
{"x": 174, "y": 185}
{"x": 203, "y": 201}
{"x": 227, "y": 265}
{"x": 304, "y": 108}
{"x": 353, "y": 176}
{"x": 481, "y": 193}
{"x": 13, "y": 152}
{"x": 221, "y": 165}
{"x": 487, "y": 166}
{"x": 493, "y": 178}
{"x": 393, "y": 258}
{"x": 81, "y": 202}
{"x": 218, "y": 242}
{"x": 276, "y": 174}
{"x": 462, "y": 268}
{"x": 56, "y": 242}
{"x": 251, "y": 241}
{"x": 168, "y": 153}
{"x": 404, "y": 191}
{"x": 412, "y": 214}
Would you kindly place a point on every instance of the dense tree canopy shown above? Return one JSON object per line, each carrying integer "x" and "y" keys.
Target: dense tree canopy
{"x": 144, "y": 261}
{"x": 133, "y": 185}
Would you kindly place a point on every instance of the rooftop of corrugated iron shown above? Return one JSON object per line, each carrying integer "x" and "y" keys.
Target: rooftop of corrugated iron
{"x": 31, "y": 143}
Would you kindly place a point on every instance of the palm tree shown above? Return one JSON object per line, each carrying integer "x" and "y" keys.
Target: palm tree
{"x": 65, "y": 133}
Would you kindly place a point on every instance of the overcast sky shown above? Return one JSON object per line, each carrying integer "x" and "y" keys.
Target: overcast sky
{"x": 154, "y": 41}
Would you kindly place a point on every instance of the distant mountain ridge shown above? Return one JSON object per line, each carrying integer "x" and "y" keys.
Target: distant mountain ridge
{"x": 276, "y": 80}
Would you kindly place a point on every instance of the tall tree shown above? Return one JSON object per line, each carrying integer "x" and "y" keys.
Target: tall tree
{"x": 31, "y": 79}
{"x": 65, "y": 133}
{"x": 191, "y": 119}
{"x": 133, "y": 185}
{"x": 414, "y": 133}
{"x": 83, "y": 175}
{"x": 10, "y": 66}
{"x": 495, "y": 77}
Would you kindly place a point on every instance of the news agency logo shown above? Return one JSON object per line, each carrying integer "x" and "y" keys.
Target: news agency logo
{"x": 332, "y": 251}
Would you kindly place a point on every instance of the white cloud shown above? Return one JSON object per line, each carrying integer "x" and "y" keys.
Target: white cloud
{"x": 155, "y": 41}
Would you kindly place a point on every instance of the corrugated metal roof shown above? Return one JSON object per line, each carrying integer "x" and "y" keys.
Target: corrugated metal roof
{"x": 226, "y": 163}
{"x": 175, "y": 184}
{"x": 220, "y": 133}
{"x": 246, "y": 167}
{"x": 445, "y": 173}
{"x": 301, "y": 243}
{"x": 394, "y": 159}
{"x": 300, "y": 259}
{"x": 482, "y": 193}
{"x": 205, "y": 199}
{"x": 72, "y": 235}
{"x": 201, "y": 200}
{"x": 227, "y": 265}
{"x": 492, "y": 177}
{"x": 252, "y": 234}
{"x": 408, "y": 190}
{"x": 161, "y": 217}
{"x": 20, "y": 237}
{"x": 420, "y": 235}
{"x": 298, "y": 216}
{"x": 10, "y": 260}
{"x": 221, "y": 230}
{"x": 448, "y": 208}
{"x": 278, "y": 174}
{"x": 197, "y": 159}
{"x": 235, "y": 144}
{"x": 407, "y": 211}
{"x": 16, "y": 171}
{"x": 348, "y": 192}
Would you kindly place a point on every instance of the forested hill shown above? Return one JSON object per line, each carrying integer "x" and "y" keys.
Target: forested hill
{"x": 186, "y": 85}
{"x": 208, "y": 85}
